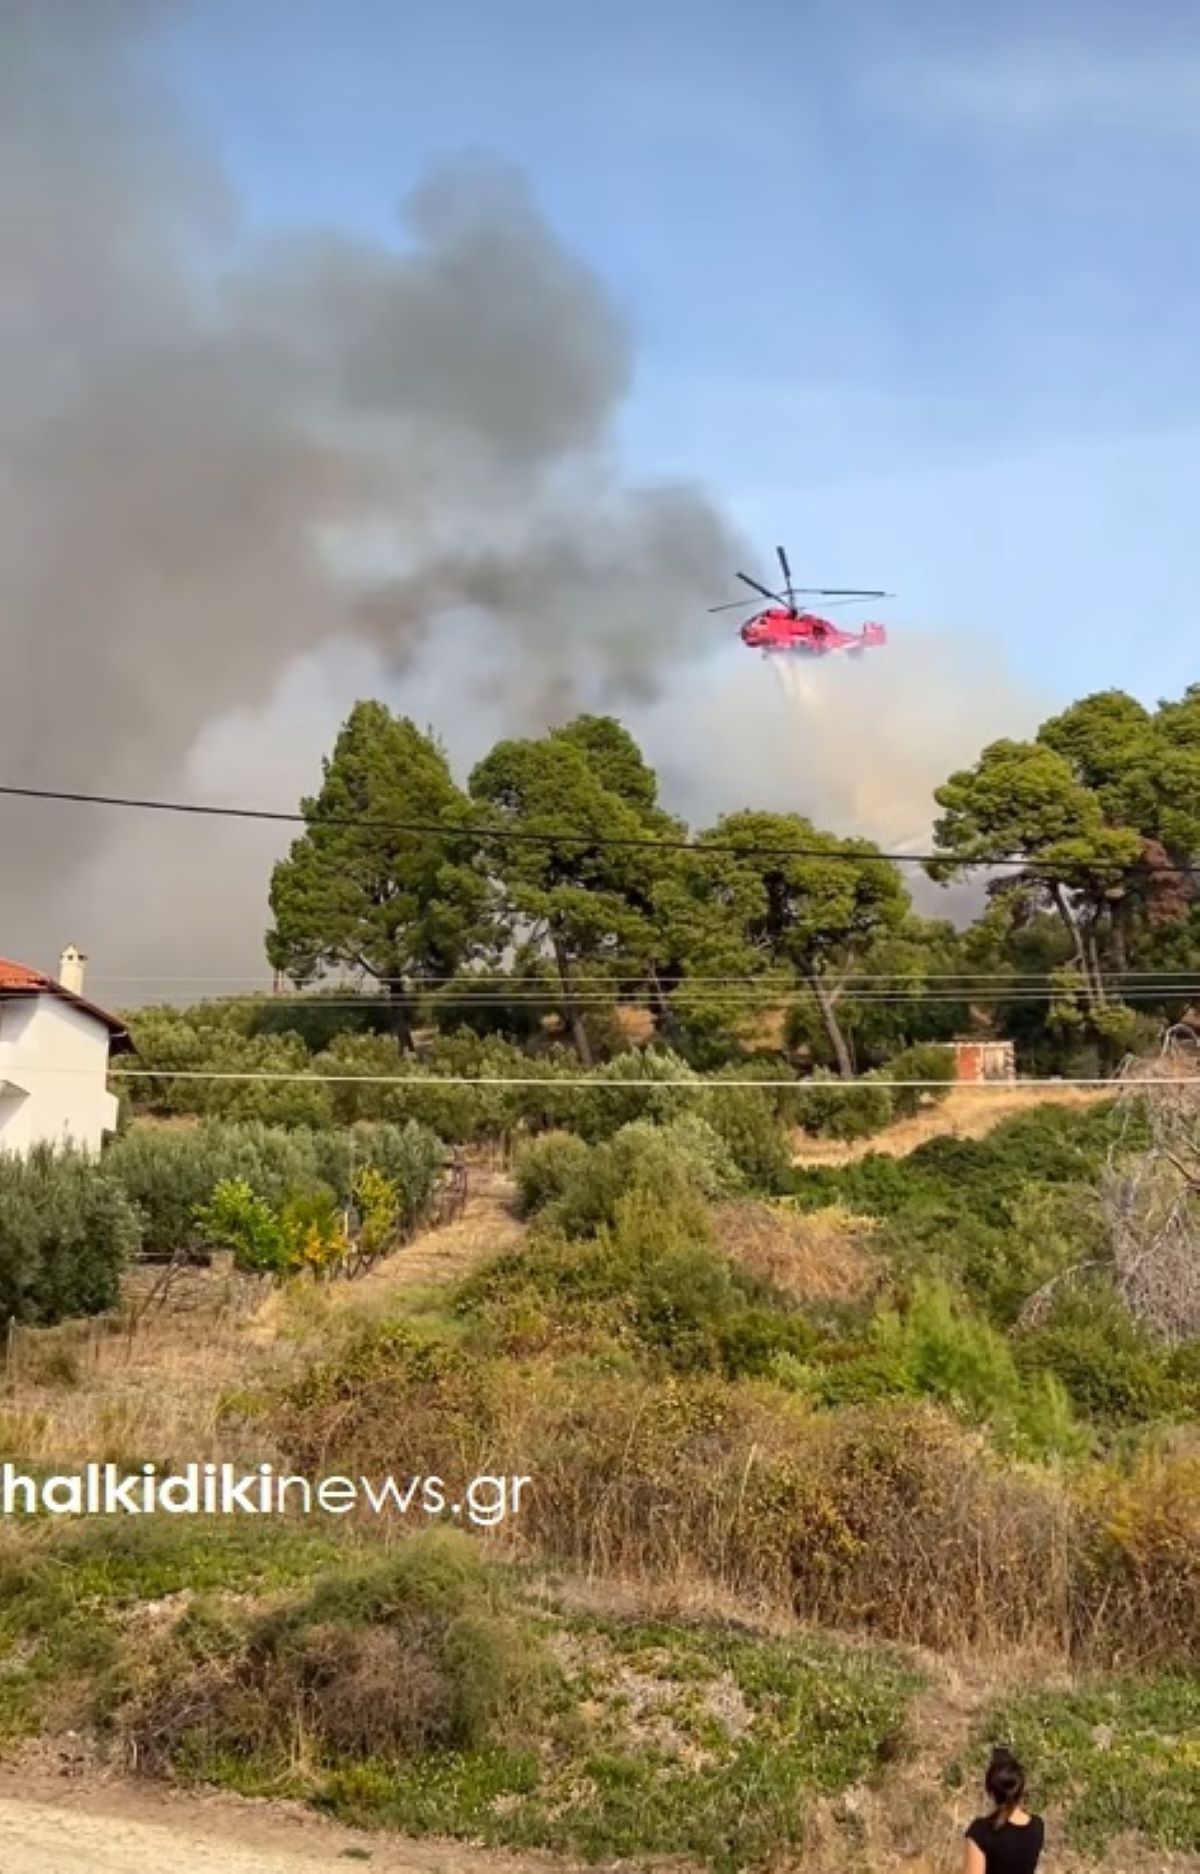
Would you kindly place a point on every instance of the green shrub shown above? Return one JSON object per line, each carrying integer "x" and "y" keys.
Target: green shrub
{"x": 167, "y": 1172}
{"x": 932, "y": 1065}
{"x": 647, "y": 1277}
{"x": 67, "y": 1230}
{"x": 578, "y": 1187}
{"x": 235, "y": 1218}
{"x": 1049, "y": 1145}
{"x": 1109, "y": 1367}
{"x": 687, "y": 1152}
{"x": 409, "y": 1655}
{"x": 319, "y": 1017}
{"x": 495, "y": 1007}
{"x": 587, "y": 1202}
{"x": 836, "y": 1109}
{"x": 546, "y": 1167}
{"x": 171, "y": 1172}
{"x": 630, "y": 1087}
{"x": 369, "y": 1067}
{"x": 167, "y": 1041}
{"x": 998, "y": 1266}
{"x": 935, "y": 1348}
{"x": 755, "y": 1123}
{"x": 410, "y": 1156}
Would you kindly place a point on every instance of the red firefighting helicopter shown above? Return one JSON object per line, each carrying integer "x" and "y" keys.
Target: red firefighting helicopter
{"x": 783, "y": 628}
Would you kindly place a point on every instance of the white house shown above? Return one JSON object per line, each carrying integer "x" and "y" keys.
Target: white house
{"x": 54, "y": 1053}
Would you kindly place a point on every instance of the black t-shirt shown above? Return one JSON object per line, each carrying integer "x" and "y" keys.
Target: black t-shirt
{"x": 1011, "y": 1849}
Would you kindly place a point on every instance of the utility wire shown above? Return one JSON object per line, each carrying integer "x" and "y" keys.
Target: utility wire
{"x": 495, "y": 984}
{"x": 551, "y": 1082}
{"x": 528, "y": 836}
{"x": 733, "y": 997}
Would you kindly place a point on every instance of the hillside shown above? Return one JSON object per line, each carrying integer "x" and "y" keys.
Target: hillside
{"x": 845, "y": 1585}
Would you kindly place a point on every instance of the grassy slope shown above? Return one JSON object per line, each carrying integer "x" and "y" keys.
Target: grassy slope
{"x": 672, "y": 1733}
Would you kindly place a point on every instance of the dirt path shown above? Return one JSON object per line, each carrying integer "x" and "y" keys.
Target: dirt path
{"x": 121, "y": 1828}
{"x": 486, "y": 1228}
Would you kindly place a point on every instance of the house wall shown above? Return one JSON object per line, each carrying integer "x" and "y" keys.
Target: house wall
{"x": 984, "y": 1060}
{"x": 53, "y": 1076}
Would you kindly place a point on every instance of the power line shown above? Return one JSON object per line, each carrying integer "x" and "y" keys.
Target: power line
{"x": 322, "y": 999}
{"x": 552, "y": 1082}
{"x": 735, "y": 998}
{"x": 527, "y": 836}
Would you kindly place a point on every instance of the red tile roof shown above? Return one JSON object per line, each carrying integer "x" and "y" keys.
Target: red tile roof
{"x": 16, "y": 976}
{"x": 18, "y": 980}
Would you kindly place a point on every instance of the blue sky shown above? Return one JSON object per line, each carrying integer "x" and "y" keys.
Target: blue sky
{"x": 915, "y": 285}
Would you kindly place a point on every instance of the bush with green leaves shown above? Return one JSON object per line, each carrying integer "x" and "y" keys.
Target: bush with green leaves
{"x": 1049, "y": 1145}
{"x": 305, "y": 1234}
{"x": 578, "y": 1187}
{"x": 546, "y": 1167}
{"x": 167, "y": 1172}
{"x": 410, "y": 1156}
{"x": 237, "y": 1219}
{"x": 998, "y": 1266}
{"x": 320, "y": 1016}
{"x": 169, "y": 1043}
{"x": 170, "y": 1172}
{"x": 510, "y": 1008}
{"x": 838, "y": 1109}
{"x": 755, "y": 1121}
{"x": 1109, "y": 1367}
{"x": 67, "y": 1230}
{"x": 636, "y": 1085}
{"x": 644, "y": 1276}
{"x": 687, "y": 1151}
{"x": 935, "y": 1348}
{"x": 932, "y": 1066}
{"x": 380, "y": 1663}
{"x": 428, "y": 1089}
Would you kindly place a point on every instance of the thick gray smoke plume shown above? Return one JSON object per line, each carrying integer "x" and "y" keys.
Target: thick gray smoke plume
{"x": 217, "y": 458}
{"x": 244, "y": 482}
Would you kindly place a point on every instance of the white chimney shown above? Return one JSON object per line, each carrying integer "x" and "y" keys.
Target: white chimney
{"x": 71, "y": 967}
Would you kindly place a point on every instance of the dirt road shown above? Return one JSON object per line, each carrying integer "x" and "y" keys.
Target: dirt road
{"x": 131, "y": 1829}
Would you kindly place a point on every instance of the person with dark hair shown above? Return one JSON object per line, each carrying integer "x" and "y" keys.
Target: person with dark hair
{"x": 1009, "y": 1840}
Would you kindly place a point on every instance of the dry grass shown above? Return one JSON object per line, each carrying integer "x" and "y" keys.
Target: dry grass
{"x": 154, "y": 1382}
{"x": 967, "y": 1113}
{"x": 119, "y": 1393}
{"x": 823, "y": 1256}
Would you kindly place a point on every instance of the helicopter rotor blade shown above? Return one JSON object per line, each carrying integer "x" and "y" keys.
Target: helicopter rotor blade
{"x": 842, "y": 592}
{"x": 734, "y": 605}
{"x": 765, "y": 590}
{"x": 787, "y": 577}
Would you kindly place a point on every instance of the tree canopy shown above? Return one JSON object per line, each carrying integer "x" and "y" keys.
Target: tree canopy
{"x": 380, "y": 883}
{"x": 558, "y": 875}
